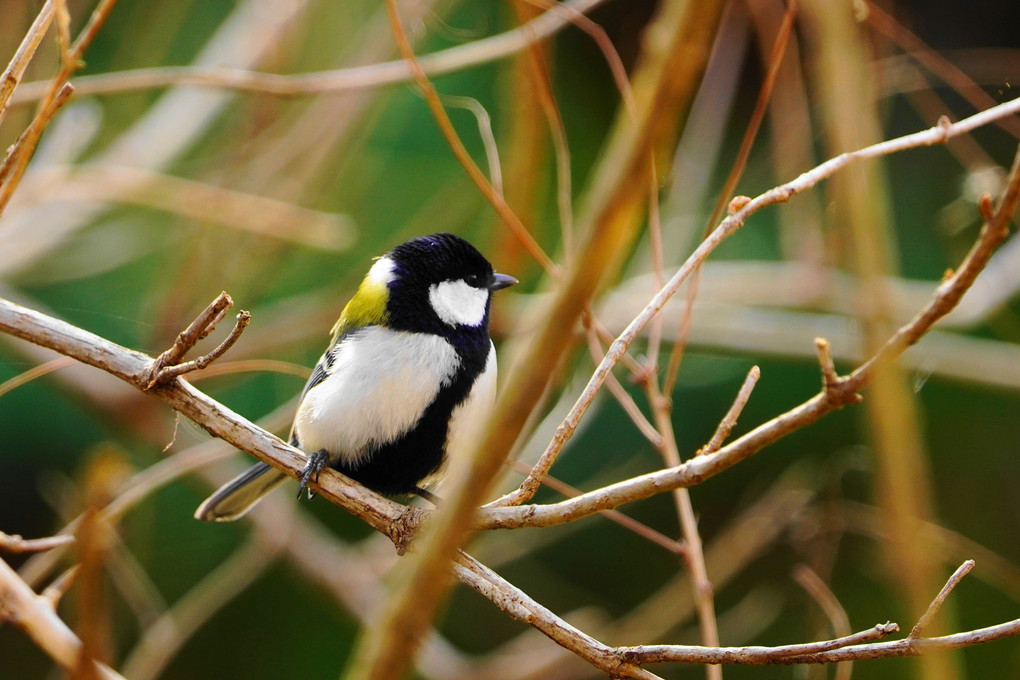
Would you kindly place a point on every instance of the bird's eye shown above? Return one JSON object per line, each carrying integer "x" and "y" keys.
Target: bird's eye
{"x": 474, "y": 280}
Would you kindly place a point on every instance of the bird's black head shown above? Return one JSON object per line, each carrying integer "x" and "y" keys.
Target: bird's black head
{"x": 440, "y": 284}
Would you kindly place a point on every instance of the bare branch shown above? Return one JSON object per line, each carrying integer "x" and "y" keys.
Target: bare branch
{"x": 474, "y": 53}
{"x": 729, "y": 421}
{"x": 936, "y": 604}
{"x": 203, "y": 324}
{"x": 830, "y": 606}
{"x": 487, "y": 190}
{"x": 35, "y": 615}
{"x": 386, "y": 516}
{"x": 910, "y": 647}
{"x": 16, "y": 544}
{"x": 948, "y": 294}
{"x": 15, "y": 70}
{"x": 21, "y": 151}
{"x": 751, "y": 655}
{"x": 168, "y": 373}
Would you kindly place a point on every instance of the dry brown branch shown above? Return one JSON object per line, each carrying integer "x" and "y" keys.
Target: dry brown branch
{"x": 56, "y": 590}
{"x": 752, "y": 655}
{"x": 168, "y": 364}
{"x": 169, "y": 372}
{"x": 398, "y": 523}
{"x": 474, "y": 53}
{"x": 435, "y": 104}
{"x": 827, "y": 601}
{"x": 933, "y": 609}
{"x": 694, "y": 471}
{"x": 57, "y": 93}
{"x": 19, "y": 153}
{"x": 35, "y": 615}
{"x": 198, "y": 201}
{"x": 935, "y": 135}
{"x": 15, "y": 71}
{"x": 389, "y": 517}
{"x": 700, "y": 655}
{"x": 729, "y": 421}
{"x": 16, "y": 544}
{"x": 910, "y": 647}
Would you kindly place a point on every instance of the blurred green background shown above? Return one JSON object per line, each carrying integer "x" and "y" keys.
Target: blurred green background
{"x": 104, "y": 234}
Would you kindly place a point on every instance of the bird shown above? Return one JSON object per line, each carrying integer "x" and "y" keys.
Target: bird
{"x": 409, "y": 373}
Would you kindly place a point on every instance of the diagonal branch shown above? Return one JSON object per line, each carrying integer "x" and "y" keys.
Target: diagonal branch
{"x": 939, "y": 134}
{"x": 36, "y": 616}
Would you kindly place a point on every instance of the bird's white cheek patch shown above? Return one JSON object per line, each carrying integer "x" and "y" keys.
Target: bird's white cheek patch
{"x": 459, "y": 304}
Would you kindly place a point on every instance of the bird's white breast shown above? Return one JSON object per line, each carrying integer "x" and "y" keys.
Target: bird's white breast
{"x": 378, "y": 387}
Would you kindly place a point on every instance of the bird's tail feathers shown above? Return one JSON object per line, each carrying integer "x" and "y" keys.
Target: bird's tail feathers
{"x": 239, "y": 495}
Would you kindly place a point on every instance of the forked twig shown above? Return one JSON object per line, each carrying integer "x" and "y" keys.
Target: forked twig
{"x": 167, "y": 365}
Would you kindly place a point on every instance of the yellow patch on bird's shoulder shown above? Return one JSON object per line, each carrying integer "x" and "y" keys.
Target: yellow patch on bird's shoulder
{"x": 368, "y": 306}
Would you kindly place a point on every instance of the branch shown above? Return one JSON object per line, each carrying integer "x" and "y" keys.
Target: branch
{"x": 12, "y": 75}
{"x": 939, "y": 134}
{"x": 390, "y": 518}
{"x": 36, "y": 616}
{"x": 834, "y": 396}
{"x": 57, "y": 93}
{"x": 936, "y": 604}
{"x": 756, "y": 656}
{"x": 475, "y": 53}
{"x": 16, "y": 544}
{"x": 729, "y": 421}
{"x": 166, "y": 367}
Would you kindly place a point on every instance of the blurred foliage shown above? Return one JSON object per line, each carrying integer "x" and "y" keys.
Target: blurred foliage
{"x": 137, "y": 275}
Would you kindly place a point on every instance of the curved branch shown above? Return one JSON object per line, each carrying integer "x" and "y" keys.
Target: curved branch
{"x": 475, "y": 53}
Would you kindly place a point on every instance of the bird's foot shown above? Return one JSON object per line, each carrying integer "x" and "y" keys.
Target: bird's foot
{"x": 316, "y": 462}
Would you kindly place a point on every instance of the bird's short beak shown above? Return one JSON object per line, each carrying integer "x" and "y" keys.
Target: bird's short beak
{"x": 501, "y": 281}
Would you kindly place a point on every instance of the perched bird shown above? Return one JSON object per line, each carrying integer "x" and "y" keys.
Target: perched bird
{"x": 409, "y": 372}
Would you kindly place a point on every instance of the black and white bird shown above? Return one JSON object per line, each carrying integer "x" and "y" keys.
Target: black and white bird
{"x": 408, "y": 375}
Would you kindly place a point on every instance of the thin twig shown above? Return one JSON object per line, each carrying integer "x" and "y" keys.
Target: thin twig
{"x": 34, "y": 373}
{"x": 933, "y": 609}
{"x": 752, "y": 655}
{"x": 56, "y": 590}
{"x": 732, "y": 180}
{"x": 13, "y": 543}
{"x": 57, "y": 93}
{"x": 621, "y": 395}
{"x": 15, "y": 70}
{"x": 658, "y": 538}
{"x": 170, "y": 372}
{"x": 830, "y": 379}
{"x": 203, "y": 324}
{"x": 457, "y": 147}
{"x": 729, "y": 421}
{"x": 827, "y": 601}
{"x": 19, "y": 154}
{"x": 34, "y": 614}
